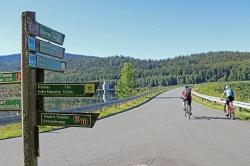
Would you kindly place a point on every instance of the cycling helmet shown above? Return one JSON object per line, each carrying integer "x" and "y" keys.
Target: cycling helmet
{"x": 227, "y": 86}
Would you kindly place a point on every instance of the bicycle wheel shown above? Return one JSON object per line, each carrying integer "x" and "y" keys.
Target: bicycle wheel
{"x": 232, "y": 115}
{"x": 231, "y": 112}
{"x": 189, "y": 112}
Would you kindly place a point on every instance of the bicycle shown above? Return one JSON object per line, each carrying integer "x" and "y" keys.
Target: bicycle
{"x": 187, "y": 109}
{"x": 230, "y": 111}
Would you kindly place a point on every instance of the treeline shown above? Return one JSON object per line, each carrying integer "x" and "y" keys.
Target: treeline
{"x": 196, "y": 68}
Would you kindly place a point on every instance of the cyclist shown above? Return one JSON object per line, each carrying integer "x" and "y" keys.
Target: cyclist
{"x": 229, "y": 98}
{"x": 186, "y": 95}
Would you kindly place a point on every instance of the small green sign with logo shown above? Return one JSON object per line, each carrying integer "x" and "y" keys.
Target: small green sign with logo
{"x": 10, "y": 78}
{"x": 10, "y": 105}
{"x": 66, "y": 119}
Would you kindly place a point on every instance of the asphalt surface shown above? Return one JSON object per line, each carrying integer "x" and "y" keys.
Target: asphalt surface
{"x": 154, "y": 134}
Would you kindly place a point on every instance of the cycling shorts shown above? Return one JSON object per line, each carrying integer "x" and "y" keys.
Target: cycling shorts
{"x": 229, "y": 99}
{"x": 189, "y": 100}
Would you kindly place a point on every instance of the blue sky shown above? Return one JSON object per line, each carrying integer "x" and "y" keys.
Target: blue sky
{"x": 155, "y": 29}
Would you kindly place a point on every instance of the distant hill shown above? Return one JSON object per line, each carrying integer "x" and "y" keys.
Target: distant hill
{"x": 8, "y": 58}
{"x": 195, "y": 68}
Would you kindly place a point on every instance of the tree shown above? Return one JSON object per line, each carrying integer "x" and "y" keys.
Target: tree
{"x": 126, "y": 84}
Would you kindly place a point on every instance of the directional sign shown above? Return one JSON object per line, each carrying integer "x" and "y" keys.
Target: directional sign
{"x": 44, "y": 32}
{"x": 45, "y": 47}
{"x": 50, "y": 63}
{"x": 51, "y": 35}
{"x": 10, "y": 78}
{"x": 50, "y": 49}
{"x": 67, "y": 90}
{"x": 44, "y": 62}
{"x": 10, "y": 105}
{"x": 65, "y": 119}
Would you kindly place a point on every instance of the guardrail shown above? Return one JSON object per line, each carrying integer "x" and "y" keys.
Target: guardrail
{"x": 218, "y": 100}
{"x": 86, "y": 108}
{"x": 98, "y": 106}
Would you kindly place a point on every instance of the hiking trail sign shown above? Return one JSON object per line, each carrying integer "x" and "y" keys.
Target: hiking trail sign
{"x": 37, "y": 29}
{"x": 67, "y": 90}
{"x": 10, "y": 77}
{"x": 86, "y": 120}
{"x": 10, "y": 105}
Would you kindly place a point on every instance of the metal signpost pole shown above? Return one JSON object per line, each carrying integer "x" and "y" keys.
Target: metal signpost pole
{"x": 28, "y": 92}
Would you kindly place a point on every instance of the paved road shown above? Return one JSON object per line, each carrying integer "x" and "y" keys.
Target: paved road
{"x": 155, "y": 134}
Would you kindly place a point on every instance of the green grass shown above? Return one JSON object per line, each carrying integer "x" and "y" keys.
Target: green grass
{"x": 15, "y": 130}
{"x": 241, "y": 90}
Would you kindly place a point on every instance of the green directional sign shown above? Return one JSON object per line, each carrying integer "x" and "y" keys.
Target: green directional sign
{"x": 51, "y": 35}
{"x": 10, "y": 105}
{"x": 45, "y": 32}
{"x": 50, "y": 49}
{"x": 67, "y": 90}
{"x": 10, "y": 77}
{"x": 66, "y": 119}
{"x": 48, "y": 63}
{"x": 45, "y": 47}
{"x": 43, "y": 62}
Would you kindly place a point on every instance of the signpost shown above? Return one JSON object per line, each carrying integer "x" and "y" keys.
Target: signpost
{"x": 66, "y": 119}
{"x": 28, "y": 87}
{"x": 39, "y": 55}
{"x": 10, "y": 78}
{"x": 10, "y": 105}
{"x": 67, "y": 90}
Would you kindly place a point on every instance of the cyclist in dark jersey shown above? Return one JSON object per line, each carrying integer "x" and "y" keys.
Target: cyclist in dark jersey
{"x": 186, "y": 95}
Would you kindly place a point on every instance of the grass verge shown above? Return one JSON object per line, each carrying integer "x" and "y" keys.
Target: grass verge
{"x": 15, "y": 130}
{"x": 244, "y": 115}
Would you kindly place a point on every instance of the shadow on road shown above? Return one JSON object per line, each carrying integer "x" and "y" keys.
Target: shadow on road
{"x": 211, "y": 118}
{"x": 167, "y": 97}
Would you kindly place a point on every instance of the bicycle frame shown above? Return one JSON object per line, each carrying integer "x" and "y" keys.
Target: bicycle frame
{"x": 230, "y": 110}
